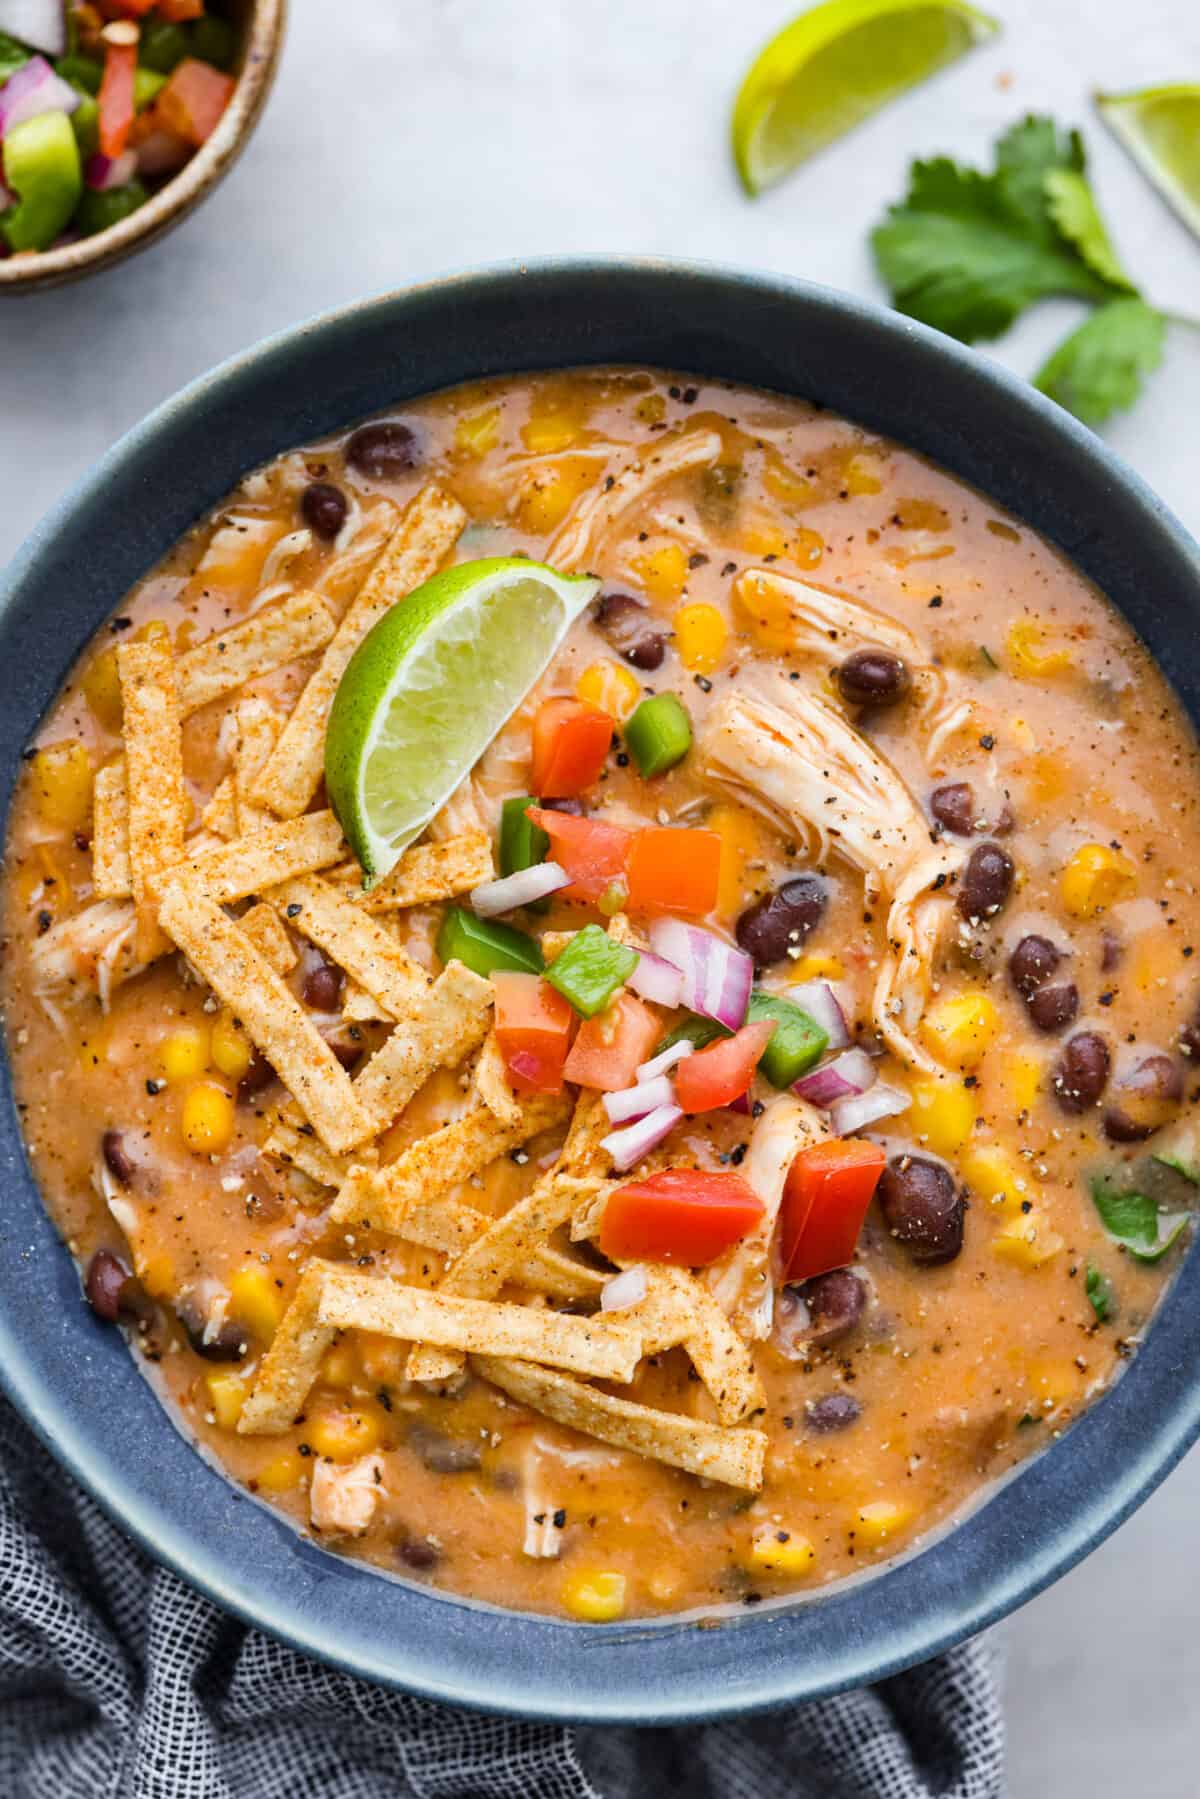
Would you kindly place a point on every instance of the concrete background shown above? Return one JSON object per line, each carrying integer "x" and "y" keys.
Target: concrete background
{"x": 405, "y": 139}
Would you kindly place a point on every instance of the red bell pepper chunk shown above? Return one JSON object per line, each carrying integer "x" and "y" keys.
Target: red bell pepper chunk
{"x": 533, "y": 1031}
{"x": 674, "y": 871}
{"x": 687, "y": 1215}
{"x": 718, "y": 1075}
{"x": 116, "y": 97}
{"x": 571, "y": 742}
{"x": 178, "y": 12}
{"x": 609, "y": 1048}
{"x": 825, "y": 1200}
{"x": 593, "y": 854}
{"x": 127, "y": 9}
{"x": 193, "y": 100}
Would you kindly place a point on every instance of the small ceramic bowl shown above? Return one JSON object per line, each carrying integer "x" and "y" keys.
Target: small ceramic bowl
{"x": 261, "y": 27}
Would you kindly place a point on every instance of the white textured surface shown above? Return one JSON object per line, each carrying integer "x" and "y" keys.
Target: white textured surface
{"x": 407, "y": 137}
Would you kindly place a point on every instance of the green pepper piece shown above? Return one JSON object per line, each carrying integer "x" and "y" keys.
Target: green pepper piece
{"x": 13, "y": 56}
{"x": 85, "y": 123}
{"x": 213, "y": 40}
{"x": 161, "y": 45}
{"x": 97, "y": 211}
{"x": 797, "y": 1044}
{"x": 41, "y": 165}
{"x": 659, "y": 734}
{"x": 82, "y": 72}
{"x": 522, "y": 843}
{"x": 147, "y": 84}
{"x": 590, "y": 969}
{"x": 697, "y": 1031}
{"x": 484, "y": 946}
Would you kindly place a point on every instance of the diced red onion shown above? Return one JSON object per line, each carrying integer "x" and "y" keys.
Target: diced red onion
{"x": 32, "y": 89}
{"x": 102, "y": 172}
{"x": 843, "y": 1078}
{"x": 850, "y": 1115}
{"x": 41, "y": 24}
{"x": 665, "y": 1060}
{"x": 741, "y": 1104}
{"x": 657, "y": 980}
{"x": 521, "y": 889}
{"x": 635, "y": 1102}
{"x": 818, "y": 999}
{"x": 716, "y": 976}
{"x": 162, "y": 153}
{"x": 627, "y": 1147}
{"x": 625, "y": 1289}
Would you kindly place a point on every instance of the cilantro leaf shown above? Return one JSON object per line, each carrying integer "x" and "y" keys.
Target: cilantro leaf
{"x": 1072, "y": 206}
{"x": 1100, "y": 366}
{"x": 12, "y": 56}
{"x": 1134, "y": 1220}
{"x": 1101, "y": 1297}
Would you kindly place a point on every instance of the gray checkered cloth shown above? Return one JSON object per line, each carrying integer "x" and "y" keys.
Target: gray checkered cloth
{"x": 117, "y": 1681}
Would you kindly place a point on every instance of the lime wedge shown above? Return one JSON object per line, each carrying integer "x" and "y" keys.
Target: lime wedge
{"x": 834, "y": 66}
{"x": 429, "y": 687}
{"x": 1160, "y": 128}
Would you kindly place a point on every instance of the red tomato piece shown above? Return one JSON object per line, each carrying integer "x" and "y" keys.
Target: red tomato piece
{"x": 533, "y": 1031}
{"x": 718, "y": 1075}
{"x": 825, "y": 1200}
{"x": 593, "y": 854}
{"x": 178, "y": 12}
{"x": 116, "y": 97}
{"x": 571, "y": 742}
{"x": 686, "y": 1215}
{"x": 674, "y": 871}
{"x": 606, "y": 1053}
{"x": 126, "y": 9}
{"x": 193, "y": 100}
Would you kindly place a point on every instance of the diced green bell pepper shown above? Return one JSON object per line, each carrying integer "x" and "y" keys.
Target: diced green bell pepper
{"x": 213, "y": 40}
{"x": 659, "y": 734}
{"x": 522, "y": 843}
{"x": 85, "y": 123}
{"x": 147, "y": 84}
{"x": 13, "y": 56}
{"x": 97, "y": 211}
{"x": 590, "y": 969}
{"x": 797, "y": 1044}
{"x": 42, "y": 167}
{"x": 697, "y": 1031}
{"x": 485, "y": 946}
{"x": 161, "y": 45}
{"x": 83, "y": 72}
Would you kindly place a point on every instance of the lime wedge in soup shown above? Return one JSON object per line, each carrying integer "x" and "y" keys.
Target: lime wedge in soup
{"x": 1160, "y": 127}
{"x": 429, "y": 687}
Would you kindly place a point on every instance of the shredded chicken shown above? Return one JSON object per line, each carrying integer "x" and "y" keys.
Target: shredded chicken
{"x": 741, "y": 1280}
{"x": 828, "y": 625}
{"x": 578, "y": 541}
{"x": 543, "y": 1538}
{"x": 92, "y": 950}
{"x": 343, "y": 1497}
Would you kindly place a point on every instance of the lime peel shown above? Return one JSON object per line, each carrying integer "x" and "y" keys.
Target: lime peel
{"x": 1160, "y": 129}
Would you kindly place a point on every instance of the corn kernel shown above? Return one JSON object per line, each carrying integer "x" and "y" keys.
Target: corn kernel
{"x": 863, "y": 474}
{"x": 282, "y": 1472}
{"x": 230, "y": 1047}
{"x": 595, "y": 1597}
{"x": 875, "y": 1522}
{"x": 662, "y": 572}
{"x": 256, "y": 1302}
{"x": 340, "y": 1367}
{"x": 764, "y": 610}
{"x": 1155, "y": 960}
{"x": 1027, "y": 1241}
{"x": 817, "y": 968}
{"x": 555, "y": 423}
{"x": 761, "y": 537}
{"x": 101, "y": 686}
{"x": 787, "y": 486}
{"x": 663, "y": 1586}
{"x": 991, "y": 1174}
{"x": 226, "y": 1396}
{"x": 772, "y": 1551}
{"x": 651, "y": 409}
{"x": 477, "y": 432}
{"x": 184, "y": 1054}
{"x": 1050, "y": 1383}
{"x": 943, "y": 1114}
{"x": 700, "y": 637}
{"x": 1095, "y": 878}
{"x": 382, "y": 1358}
{"x": 547, "y": 496}
{"x": 207, "y": 1119}
{"x": 1029, "y": 652}
{"x": 611, "y": 687}
{"x": 62, "y": 783}
{"x": 343, "y": 1433}
{"x": 1022, "y": 1080}
{"x": 157, "y": 1274}
{"x": 961, "y": 1028}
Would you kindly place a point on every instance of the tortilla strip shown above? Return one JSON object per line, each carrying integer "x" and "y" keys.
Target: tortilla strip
{"x": 259, "y": 862}
{"x": 261, "y": 924}
{"x": 158, "y": 802}
{"x": 219, "y": 815}
{"x": 490, "y": 1078}
{"x": 358, "y": 943}
{"x": 358, "y": 1007}
{"x": 427, "y": 531}
{"x": 289, "y": 1368}
{"x": 258, "y": 727}
{"x": 288, "y": 1144}
{"x": 677, "y": 1309}
{"x": 451, "y": 1023}
{"x": 434, "y": 871}
{"x": 271, "y": 1015}
{"x": 357, "y": 1301}
{"x": 267, "y": 640}
{"x": 581, "y": 1154}
{"x": 111, "y": 874}
{"x": 434, "y": 1163}
{"x": 735, "y": 1457}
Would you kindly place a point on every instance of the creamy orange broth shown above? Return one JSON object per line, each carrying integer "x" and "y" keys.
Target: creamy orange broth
{"x": 959, "y": 1369}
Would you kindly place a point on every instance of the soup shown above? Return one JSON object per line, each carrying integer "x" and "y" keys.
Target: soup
{"x": 795, "y": 1141}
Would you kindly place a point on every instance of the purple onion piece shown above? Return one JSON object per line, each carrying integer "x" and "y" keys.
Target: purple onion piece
{"x": 716, "y": 976}
{"x": 520, "y": 889}
{"x": 850, "y": 1115}
{"x": 818, "y": 999}
{"x": 847, "y": 1075}
{"x": 657, "y": 980}
{"x": 635, "y": 1102}
{"x": 666, "y": 1060}
{"x": 39, "y": 23}
{"x": 627, "y": 1147}
{"x": 32, "y": 89}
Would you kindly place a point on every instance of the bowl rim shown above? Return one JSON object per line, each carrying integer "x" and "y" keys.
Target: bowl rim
{"x": 565, "y": 1672}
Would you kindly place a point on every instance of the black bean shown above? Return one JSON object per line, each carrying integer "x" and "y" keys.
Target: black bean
{"x": 322, "y": 989}
{"x": 349, "y": 1054}
{"x": 573, "y": 808}
{"x": 1053, "y": 1007}
{"x": 1032, "y": 962}
{"x": 953, "y": 806}
{"x": 873, "y": 678}
{"x": 923, "y": 1208}
{"x": 780, "y": 921}
{"x": 1111, "y": 951}
{"x": 120, "y": 1164}
{"x": 256, "y": 1079}
{"x": 834, "y": 1411}
{"x": 835, "y": 1304}
{"x": 443, "y": 1454}
{"x": 105, "y": 1285}
{"x": 1081, "y": 1072}
{"x": 631, "y": 629}
{"x": 228, "y": 1343}
{"x": 382, "y": 451}
{"x": 1145, "y": 1100}
{"x": 323, "y": 506}
{"x": 986, "y": 883}
{"x": 418, "y": 1553}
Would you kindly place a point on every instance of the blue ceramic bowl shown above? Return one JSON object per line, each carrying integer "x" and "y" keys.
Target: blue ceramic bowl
{"x": 73, "y": 1378}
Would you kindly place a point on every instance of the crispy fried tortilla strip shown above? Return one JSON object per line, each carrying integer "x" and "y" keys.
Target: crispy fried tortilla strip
{"x": 220, "y": 815}
{"x": 490, "y": 1077}
{"x": 158, "y": 802}
{"x": 434, "y": 871}
{"x": 111, "y": 875}
{"x": 288, "y": 1143}
{"x": 366, "y": 949}
{"x": 425, "y": 535}
{"x": 261, "y": 924}
{"x": 735, "y": 1457}
{"x": 289, "y": 1368}
{"x": 271, "y": 1015}
{"x": 358, "y": 1006}
{"x": 677, "y": 1309}
{"x": 257, "y": 863}
{"x": 267, "y": 640}
{"x": 454, "y": 1016}
{"x": 351, "y": 1300}
{"x": 581, "y": 1153}
{"x": 258, "y": 727}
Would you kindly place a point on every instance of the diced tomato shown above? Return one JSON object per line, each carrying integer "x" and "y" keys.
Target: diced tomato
{"x": 674, "y": 871}
{"x": 571, "y": 742}
{"x": 687, "y": 1215}
{"x": 193, "y": 100}
{"x": 116, "y": 97}
{"x": 126, "y": 9}
{"x": 533, "y": 1031}
{"x": 593, "y": 854}
{"x": 178, "y": 12}
{"x": 825, "y": 1200}
{"x": 718, "y": 1075}
{"x": 609, "y": 1047}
